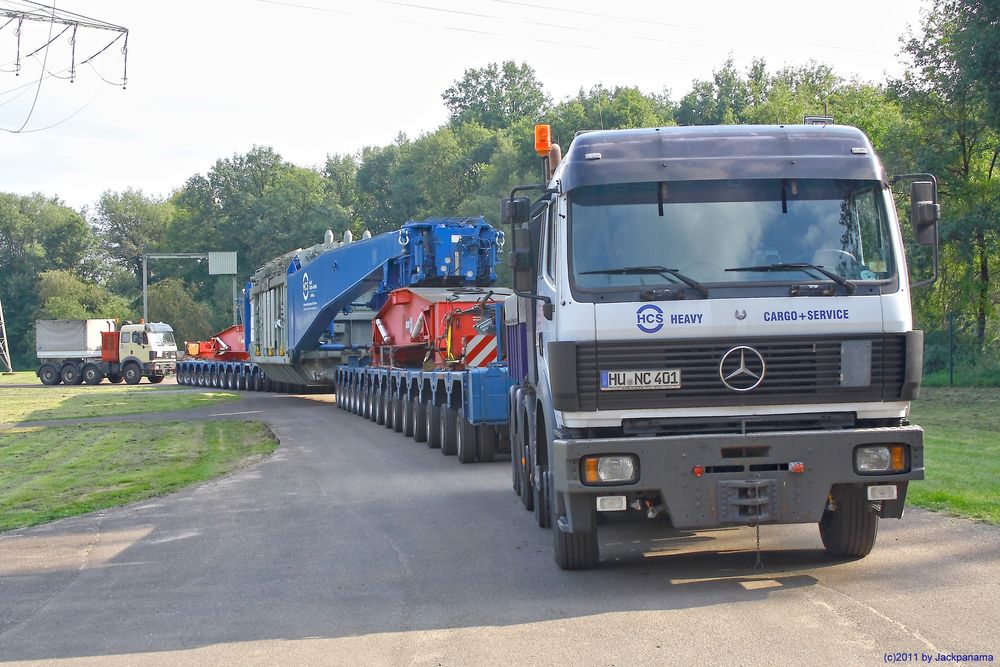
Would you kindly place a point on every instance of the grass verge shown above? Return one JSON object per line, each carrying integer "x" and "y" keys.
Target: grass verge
{"x": 18, "y": 404}
{"x": 54, "y": 472}
{"x": 961, "y": 450}
{"x": 18, "y": 377}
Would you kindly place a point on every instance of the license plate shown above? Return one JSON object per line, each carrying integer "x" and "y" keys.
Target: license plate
{"x": 640, "y": 379}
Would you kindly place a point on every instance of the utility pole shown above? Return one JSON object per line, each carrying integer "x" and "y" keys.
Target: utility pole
{"x": 4, "y": 349}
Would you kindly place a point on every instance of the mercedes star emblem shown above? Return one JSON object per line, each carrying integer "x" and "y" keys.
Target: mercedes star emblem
{"x": 742, "y": 368}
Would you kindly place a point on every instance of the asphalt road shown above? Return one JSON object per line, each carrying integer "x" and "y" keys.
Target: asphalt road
{"x": 355, "y": 545}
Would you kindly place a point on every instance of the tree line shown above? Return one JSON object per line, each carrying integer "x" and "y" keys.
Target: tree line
{"x": 942, "y": 116}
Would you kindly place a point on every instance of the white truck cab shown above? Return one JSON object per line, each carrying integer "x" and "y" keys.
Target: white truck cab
{"x": 720, "y": 333}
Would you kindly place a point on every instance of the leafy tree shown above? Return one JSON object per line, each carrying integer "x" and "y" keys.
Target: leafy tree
{"x": 954, "y": 140}
{"x": 36, "y": 234}
{"x": 496, "y": 96}
{"x": 172, "y": 302}
{"x": 64, "y": 296}
{"x": 977, "y": 48}
{"x": 131, "y": 224}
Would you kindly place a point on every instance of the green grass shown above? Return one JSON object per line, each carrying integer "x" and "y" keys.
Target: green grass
{"x": 54, "y": 472}
{"x": 18, "y": 377}
{"x": 19, "y": 404}
{"x": 961, "y": 450}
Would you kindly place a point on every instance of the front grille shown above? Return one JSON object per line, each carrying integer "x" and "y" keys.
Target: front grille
{"x": 799, "y": 370}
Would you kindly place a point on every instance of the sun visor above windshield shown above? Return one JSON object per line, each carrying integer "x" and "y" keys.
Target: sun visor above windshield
{"x": 728, "y": 153}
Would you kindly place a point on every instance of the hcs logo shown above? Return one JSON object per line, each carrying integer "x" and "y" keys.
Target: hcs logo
{"x": 649, "y": 318}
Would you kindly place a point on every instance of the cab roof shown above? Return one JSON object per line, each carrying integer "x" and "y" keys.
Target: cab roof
{"x": 718, "y": 152}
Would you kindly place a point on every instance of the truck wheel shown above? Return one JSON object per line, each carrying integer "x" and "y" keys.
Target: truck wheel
{"x": 115, "y": 378}
{"x": 577, "y": 550}
{"x": 49, "y": 375}
{"x": 543, "y": 498}
{"x": 132, "y": 373}
{"x": 419, "y": 421}
{"x": 448, "y": 445}
{"x": 526, "y": 464}
{"x": 487, "y": 443}
{"x": 70, "y": 374}
{"x": 407, "y": 413}
{"x": 465, "y": 438}
{"x": 156, "y": 379}
{"x": 850, "y": 530}
{"x": 432, "y": 425}
{"x": 92, "y": 374}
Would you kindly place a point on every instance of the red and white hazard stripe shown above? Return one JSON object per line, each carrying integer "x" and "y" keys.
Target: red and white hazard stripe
{"x": 480, "y": 351}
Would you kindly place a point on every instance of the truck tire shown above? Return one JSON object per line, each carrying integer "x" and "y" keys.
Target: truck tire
{"x": 448, "y": 445}
{"x": 390, "y": 411}
{"x": 132, "y": 373}
{"x": 526, "y": 463}
{"x": 543, "y": 499}
{"x": 156, "y": 379}
{"x": 419, "y": 421}
{"x": 49, "y": 375}
{"x": 577, "y": 550}
{"x": 465, "y": 438}
{"x": 850, "y": 530}
{"x": 487, "y": 441}
{"x": 115, "y": 378}
{"x": 432, "y": 425}
{"x": 92, "y": 374}
{"x": 70, "y": 374}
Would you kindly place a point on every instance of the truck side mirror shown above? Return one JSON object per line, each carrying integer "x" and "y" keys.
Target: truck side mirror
{"x": 522, "y": 260}
{"x": 924, "y": 212}
{"x": 515, "y": 211}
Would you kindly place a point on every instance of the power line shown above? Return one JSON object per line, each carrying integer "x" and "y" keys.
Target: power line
{"x": 41, "y": 77}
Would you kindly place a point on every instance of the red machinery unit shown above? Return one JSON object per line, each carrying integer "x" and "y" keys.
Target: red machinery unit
{"x": 435, "y": 327}
{"x": 227, "y": 345}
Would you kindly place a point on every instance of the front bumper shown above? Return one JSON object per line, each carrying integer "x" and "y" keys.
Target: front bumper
{"x": 163, "y": 368}
{"x": 745, "y": 479}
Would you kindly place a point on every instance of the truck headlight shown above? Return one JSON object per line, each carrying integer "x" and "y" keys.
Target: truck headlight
{"x": 870, "y": 459}
{"x": 609, "y": 469}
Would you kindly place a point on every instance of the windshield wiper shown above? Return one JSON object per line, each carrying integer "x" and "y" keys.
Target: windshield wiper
{"x": 652, "y": 270}
{"x": 801, "y": 266}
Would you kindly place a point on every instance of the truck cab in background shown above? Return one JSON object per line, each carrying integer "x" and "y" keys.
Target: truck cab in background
{"x": 143, "y": 350}
{"x": 77, "y": 351}
{"x": 718, "y": 332}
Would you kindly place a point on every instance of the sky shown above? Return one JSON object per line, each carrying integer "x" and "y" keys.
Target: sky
{"x": 209, "y": 79}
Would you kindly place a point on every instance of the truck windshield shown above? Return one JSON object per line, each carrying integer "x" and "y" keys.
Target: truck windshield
{"x": 729, "y": 232}
{"x": 161, "y": 339}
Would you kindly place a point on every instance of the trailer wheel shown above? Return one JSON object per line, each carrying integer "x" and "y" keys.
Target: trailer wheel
{"x": 407, "y": 413}
{"x": 156, "y": 379}
{"x": 432, "y": 425}
{"x": 465, "y": 438}
{"x": 115, "y": 378}
{"x": 397, "y": 412}
{"x": 92, "y": 374}
{"x": 380, "y": 401}
{"x": 448, "y": 445}
{"x": 850, "y": 530}
{"x": 49, "y": 375}
{"x": 70, "y": 374}
{"x": 487, "y": 443}
{"x": 132, "y": 373}
{"x": 419, "y": 421}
